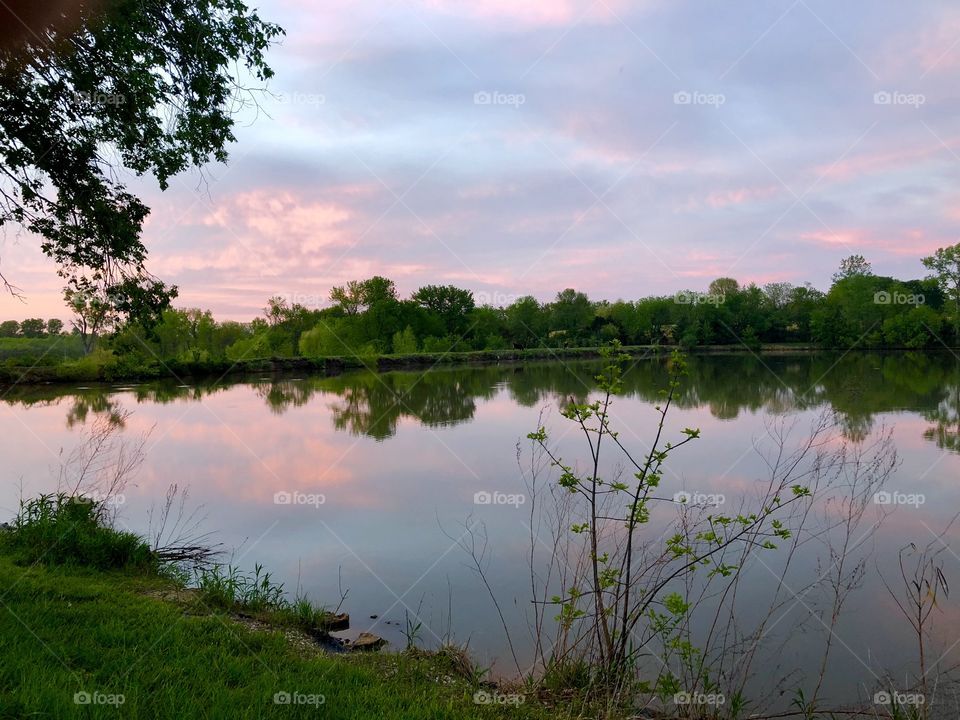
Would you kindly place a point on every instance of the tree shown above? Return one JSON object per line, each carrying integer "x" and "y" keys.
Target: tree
{"x": 276, "y": 310}
{"x": 93, "y": 313}
{"x": 571, "y": 313}
{"x": 327, "y": 339}
{"x": 853, "y": 266}
{"x": 128, "y": 86}
{"x": 724, "y": 286}
{"x": 32, "y": 328}
{"x": 358, "y": 296}
{"x": 526, "y": 321}
{"x": 452, "y": 304}
{"x": 850, "y": 314}
{"x": 9, "y": 328}
{"x": 913, "y": 329}
{"x": 349, "y": 298}
{"x": 378, "y": 290}
{"x": 286, "y": 323}
{"x": 945, "y": 264}
{"x": 54, "y": 326}
{"x": 804, "y": 301}
{"x": 777, "y": 294}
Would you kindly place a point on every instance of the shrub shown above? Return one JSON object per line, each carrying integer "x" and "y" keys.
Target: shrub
{"x": 404, "y": 343}
{"x": 63, "y": 529}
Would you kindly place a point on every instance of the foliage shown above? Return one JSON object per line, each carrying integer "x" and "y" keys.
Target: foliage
{"x": 450, "y": 304}
{"x": 67, "y": 529}
{"x": 945, "y": 267}
{"x": 30, "y": 352}
{"x": 623, "y": 600}
{"x": 404, "y": 343}
{"x": 127, "y": 87}
{"x": 368, "y": 319}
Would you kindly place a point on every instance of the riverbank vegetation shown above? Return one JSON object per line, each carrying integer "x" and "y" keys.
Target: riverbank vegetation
{"x": 365, "y": 321}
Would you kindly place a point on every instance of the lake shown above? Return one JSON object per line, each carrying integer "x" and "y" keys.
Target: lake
{"x": 365, "y": 482}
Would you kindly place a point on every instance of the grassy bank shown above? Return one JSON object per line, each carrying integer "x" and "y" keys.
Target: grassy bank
{"x": 108, "y": 368}
{"x": 91, "y": 627}
{"x": 68, "y": 630}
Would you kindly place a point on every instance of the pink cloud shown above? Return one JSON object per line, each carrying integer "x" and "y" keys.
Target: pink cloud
{"x": 720, "y": 199}
{"x": 844, "y": 238}
{"x": 876, "y": 163}
{"x": 537, "y": 13}
{"x": 740, "y": 196}
{"x": 908, "y": 243}
{"x": 936, "y": 48}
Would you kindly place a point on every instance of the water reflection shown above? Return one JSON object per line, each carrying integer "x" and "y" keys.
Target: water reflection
{"x": 400, "y": 457}
{"x": 858, "y": 386}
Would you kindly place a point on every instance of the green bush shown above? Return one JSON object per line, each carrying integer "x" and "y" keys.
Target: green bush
{"x": 90, "y": 367}
{"x": 60, "y": 529}
{"x": 404, "y": 343}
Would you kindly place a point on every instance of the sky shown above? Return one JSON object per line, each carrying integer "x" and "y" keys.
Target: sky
{"x": 621, "y": 147}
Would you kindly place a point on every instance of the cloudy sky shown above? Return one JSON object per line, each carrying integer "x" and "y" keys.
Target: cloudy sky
{"x": 621, "y": 147}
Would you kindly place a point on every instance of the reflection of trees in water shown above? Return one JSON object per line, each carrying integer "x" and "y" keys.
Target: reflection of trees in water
{"x": 98, "y": 403}
{"x": 373, "y": 404}
{"x": 368, "y": 403}
{"x": 283, "y": 394}
{"x": 946, "y": 418}
{"x": 857, "y": 386}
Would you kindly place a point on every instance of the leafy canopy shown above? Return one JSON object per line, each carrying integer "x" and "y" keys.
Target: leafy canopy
{"x": 146, "y": 86}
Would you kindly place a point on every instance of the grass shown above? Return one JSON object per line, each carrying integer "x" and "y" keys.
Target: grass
{"x": 257, "y": 596}
{"x": 67, "y": 630}
{"x": 60, "y": 529}
{"x": 86, "y": 615}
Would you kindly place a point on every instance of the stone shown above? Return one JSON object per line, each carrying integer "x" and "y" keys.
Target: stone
{"x": 368, "y": 641}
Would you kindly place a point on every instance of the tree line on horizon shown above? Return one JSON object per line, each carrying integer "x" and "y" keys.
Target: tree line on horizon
{"x": 368, "y": 318}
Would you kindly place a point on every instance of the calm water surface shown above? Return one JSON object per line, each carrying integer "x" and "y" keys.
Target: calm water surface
{"x": 399, "y": 459}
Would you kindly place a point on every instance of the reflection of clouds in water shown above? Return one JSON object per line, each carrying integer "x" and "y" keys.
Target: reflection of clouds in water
{"x": 398, "y": 455}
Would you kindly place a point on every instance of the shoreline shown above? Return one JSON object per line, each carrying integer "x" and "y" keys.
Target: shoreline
{"x": 332, "y": 366}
